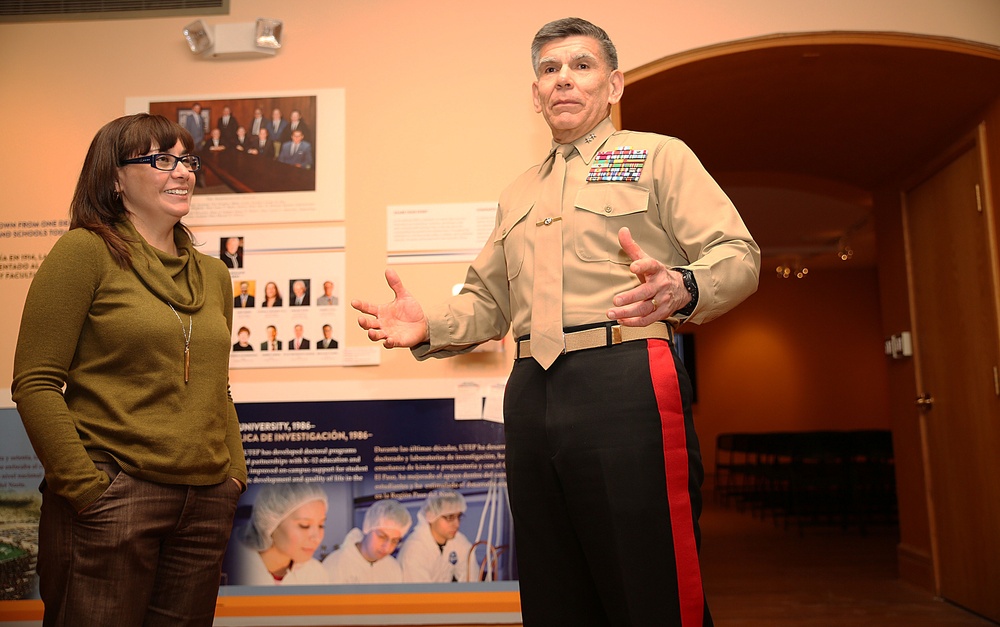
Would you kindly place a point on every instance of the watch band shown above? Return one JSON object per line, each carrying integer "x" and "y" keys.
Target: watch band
{"x": 692, "y": 287}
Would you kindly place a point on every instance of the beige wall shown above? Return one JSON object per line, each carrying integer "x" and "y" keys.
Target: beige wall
{"x": 437, "y": 94}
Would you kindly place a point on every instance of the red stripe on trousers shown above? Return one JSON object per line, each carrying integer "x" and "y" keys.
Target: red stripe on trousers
{"x": 675, "y": 458}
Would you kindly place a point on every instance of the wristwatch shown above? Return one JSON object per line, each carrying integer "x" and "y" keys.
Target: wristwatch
{"x": 692, "y": 287}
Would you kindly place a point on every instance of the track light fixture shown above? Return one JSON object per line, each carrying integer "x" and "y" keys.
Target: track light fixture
{"x": 787, "y": 270}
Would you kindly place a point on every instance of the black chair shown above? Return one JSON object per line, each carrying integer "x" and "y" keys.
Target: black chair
{"x": 736, "y": 459}
{"x": 873, "y": 479}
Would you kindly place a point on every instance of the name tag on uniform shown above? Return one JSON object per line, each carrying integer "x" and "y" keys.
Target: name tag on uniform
{"x": 621, "y": 164}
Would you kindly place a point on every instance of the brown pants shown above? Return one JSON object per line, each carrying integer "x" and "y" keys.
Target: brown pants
{"x": 144, "y": 554}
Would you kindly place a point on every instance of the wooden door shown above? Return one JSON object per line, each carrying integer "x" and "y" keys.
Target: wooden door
{"x": 955, "y": 331}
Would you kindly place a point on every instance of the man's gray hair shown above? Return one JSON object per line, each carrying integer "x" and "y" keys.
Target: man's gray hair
{"x": 570, "y": 27}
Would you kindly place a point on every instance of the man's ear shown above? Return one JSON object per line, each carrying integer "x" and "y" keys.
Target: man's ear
{"x": 617, "y": 80}
{"x": 534, "y": 97}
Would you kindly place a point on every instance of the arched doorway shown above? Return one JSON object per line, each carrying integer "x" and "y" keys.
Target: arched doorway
{"x": 833, "y": 114}
{"x": 837, "y": 119}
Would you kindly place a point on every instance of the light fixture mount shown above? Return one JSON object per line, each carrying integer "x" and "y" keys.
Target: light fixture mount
{"x": 246, "y": 40}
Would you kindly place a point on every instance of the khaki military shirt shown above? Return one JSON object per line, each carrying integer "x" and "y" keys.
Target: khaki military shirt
{"x": 654, "y": 185}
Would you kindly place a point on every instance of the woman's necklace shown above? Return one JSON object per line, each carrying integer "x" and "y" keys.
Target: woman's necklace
{"x": 187, "y": 341}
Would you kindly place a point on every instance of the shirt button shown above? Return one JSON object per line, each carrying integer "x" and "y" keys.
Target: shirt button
{"x": 608, "y": 209}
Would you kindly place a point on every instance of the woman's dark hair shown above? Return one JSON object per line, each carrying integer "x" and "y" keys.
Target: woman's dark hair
{"x": 96, "y": 205}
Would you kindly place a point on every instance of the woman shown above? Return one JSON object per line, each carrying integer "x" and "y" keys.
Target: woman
{"x": 285, "y": 530}
{"x": 243, "y": 340}
{"x": 142, "y": 452}
{"x": 272, "y": 297}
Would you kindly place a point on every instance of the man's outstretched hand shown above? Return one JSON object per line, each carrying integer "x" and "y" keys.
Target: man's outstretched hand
{"x": 398, "y": 323}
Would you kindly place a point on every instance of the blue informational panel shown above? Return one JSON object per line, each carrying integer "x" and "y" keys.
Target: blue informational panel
{"x": 362, "y": 452}
{"x": 356, "y": 452}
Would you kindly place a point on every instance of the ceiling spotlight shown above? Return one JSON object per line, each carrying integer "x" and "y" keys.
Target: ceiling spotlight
{"x": 845, "y": 252}
{"x": 267, "y": 33}
{"x": 198, "y": 36}
{"x": 788, "y": 270}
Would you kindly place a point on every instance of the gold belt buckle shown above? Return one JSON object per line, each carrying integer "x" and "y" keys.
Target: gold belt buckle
{"x": 616, "y": 334}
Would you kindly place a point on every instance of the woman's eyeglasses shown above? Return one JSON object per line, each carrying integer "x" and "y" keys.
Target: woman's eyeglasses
{"x": 167, "y": 162}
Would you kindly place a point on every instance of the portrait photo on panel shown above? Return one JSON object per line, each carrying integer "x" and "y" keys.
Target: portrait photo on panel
{"x": 231, "y": 252}
{"x": 299, "y": 289}
{"x": 243, "y": 294}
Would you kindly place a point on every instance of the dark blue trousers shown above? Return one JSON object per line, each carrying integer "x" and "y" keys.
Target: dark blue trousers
{"x": 604, "y": 474}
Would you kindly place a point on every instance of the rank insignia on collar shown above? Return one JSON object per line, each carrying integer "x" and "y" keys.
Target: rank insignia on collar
{"x": 621, "y": 164}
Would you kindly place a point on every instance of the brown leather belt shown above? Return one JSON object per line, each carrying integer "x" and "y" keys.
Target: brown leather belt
{"x": 599, "y": 337}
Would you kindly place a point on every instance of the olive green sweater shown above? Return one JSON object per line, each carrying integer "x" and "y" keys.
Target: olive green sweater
{"x": 109, "y": 336}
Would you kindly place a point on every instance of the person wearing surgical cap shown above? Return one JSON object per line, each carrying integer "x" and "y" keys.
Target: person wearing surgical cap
{"x": 285, "y": 530}
{"x": 365, "y": 555}
{"x": 437, "y": 551}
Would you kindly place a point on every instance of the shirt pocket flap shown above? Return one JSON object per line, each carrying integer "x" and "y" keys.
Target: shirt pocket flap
{"x": 510, "y": 220}
{"x": 612, "y": 199}
{"x": 511, "y": 236}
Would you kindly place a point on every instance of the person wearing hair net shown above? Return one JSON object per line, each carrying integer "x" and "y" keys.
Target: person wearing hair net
{"x": 437, "y": 551}
{"x": 365, "y": 555}
{"x": 286, "y": 528}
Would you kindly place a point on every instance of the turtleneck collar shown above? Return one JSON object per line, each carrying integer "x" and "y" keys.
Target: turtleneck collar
{"x": 179, "y": 281}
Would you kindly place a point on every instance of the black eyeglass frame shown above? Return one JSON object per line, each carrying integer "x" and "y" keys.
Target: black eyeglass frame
{"x": 191, "y": 162}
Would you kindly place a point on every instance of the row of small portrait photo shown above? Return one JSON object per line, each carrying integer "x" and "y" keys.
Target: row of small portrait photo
{"x": 299, "y": 290}
{"x": 297, "y": 342}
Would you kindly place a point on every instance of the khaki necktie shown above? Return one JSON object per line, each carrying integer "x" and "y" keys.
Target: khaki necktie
{"x": 547, "y": 290}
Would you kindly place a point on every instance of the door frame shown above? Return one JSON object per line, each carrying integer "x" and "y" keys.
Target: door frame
{"x": 974, "y": 141}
